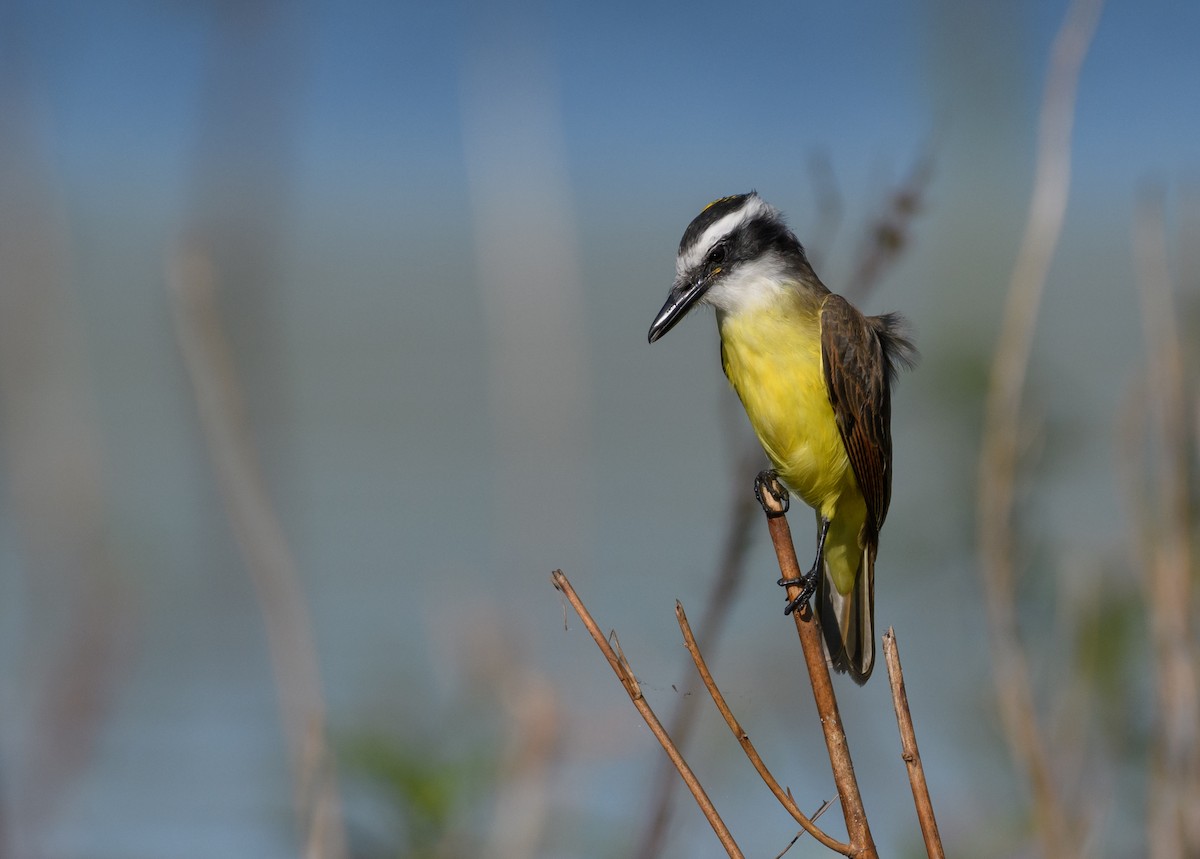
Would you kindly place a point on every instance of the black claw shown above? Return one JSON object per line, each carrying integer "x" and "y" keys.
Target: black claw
{"x": 808, "y": 586}
{"x": 768, "y": 482}
{"x": 807, "y": 582}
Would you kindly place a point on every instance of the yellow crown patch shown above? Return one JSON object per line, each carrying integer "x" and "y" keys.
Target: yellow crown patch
{"x": 718, "y": 201}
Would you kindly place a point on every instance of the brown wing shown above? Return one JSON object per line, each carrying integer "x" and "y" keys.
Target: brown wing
{"x": 857, "y": 381}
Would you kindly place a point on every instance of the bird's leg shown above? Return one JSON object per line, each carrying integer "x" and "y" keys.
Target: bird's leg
{"x": 808, "y": 581}
{"x": 768, "y": 482}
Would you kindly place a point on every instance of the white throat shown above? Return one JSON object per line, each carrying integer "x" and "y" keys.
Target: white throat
{"x": 751, "y": 285}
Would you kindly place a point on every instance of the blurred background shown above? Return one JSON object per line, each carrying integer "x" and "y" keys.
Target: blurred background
{"x": 323, "y": 341}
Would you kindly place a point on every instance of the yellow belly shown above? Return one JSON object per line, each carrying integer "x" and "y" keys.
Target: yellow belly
{"x": 772, "y": 357}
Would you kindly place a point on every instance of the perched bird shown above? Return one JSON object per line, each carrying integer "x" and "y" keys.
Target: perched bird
{"x": 814, "y": 376}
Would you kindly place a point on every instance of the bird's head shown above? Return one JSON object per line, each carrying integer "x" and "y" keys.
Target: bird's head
{"x": 736, "y": 253}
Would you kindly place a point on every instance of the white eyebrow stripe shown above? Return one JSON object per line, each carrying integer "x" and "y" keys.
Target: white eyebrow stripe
{"x": 753, "y": 207}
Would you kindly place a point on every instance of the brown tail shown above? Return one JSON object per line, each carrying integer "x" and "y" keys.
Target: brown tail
{"x": 848, "y": 621}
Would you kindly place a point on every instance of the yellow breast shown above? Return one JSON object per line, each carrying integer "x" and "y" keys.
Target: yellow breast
{"x": 772, "y": 356}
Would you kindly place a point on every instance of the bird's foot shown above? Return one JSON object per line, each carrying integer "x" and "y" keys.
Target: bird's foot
{"x": 770, "y": 493}
{"x": 808, "y": 586}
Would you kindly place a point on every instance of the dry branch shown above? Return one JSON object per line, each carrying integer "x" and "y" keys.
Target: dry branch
{"x": 743, "y": 739}
{"x": 909, "y": 751}
{"x": 625, "y": 674}
{"x": 809, "y": 630}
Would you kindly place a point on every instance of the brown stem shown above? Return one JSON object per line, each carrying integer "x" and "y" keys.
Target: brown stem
{"x": 809, "y": 630}
{"x": 625, "y": 674}
{"x": 910, "y": 753}
{"x": 784, "y": 798}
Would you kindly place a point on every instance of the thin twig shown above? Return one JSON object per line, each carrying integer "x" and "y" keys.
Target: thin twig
{"x": 625, "y": 674}
{"x": 1000, "y": 450}
{"x": 784, "y": 798}
{"x": 909, "y": 751}
{"x": 809, "y": 630}
{"x": 816, "y": 814}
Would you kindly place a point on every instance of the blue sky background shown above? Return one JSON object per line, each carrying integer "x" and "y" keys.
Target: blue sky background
{"x": 646, "y": 94}
{"x": 459, "y": 220}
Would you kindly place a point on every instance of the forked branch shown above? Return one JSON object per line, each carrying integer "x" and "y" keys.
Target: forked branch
{"x": 625, "y": 674}
{"x": 861, "y": 844}
{"x": 785, "y": 798}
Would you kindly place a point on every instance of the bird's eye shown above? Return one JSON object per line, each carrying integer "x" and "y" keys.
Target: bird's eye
{"x": 717, "y": 255}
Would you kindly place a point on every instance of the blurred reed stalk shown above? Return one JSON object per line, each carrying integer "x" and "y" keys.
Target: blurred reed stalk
{"x": 1057, "y": 828}
{"x": 74, "y": 614}
{"x": 260, "y": 536}
{"x": 253, "y": 79}
{"x": 529, "y": 704}
{"x": 526, "y": 250}
{"x": 1159, "y": 453}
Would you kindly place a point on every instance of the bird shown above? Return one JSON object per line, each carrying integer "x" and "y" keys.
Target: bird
{"x": 814, "y": 376}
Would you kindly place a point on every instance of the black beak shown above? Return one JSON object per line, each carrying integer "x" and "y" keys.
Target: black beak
{"x": 679, "y": 302}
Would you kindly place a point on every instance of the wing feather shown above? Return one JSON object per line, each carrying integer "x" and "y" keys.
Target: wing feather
{"x": 857, "y": 370}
